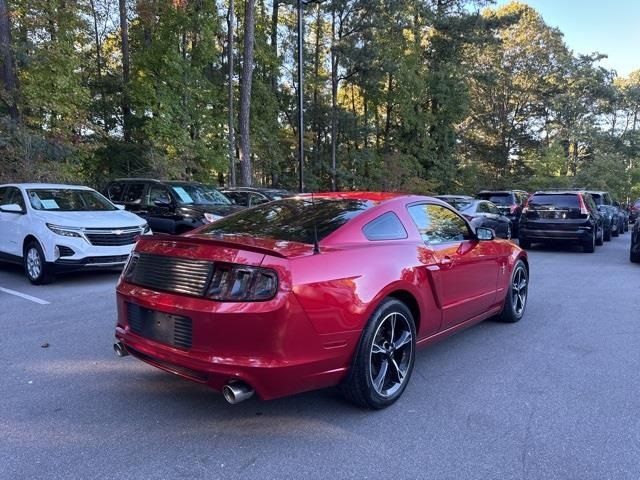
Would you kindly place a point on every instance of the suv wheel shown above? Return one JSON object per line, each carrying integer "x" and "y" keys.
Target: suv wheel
{"x": 35, "y": 265}
{"x": 607, "y": 234}
{"x": 600, "y": 238}
{"x": 590, "y": 245}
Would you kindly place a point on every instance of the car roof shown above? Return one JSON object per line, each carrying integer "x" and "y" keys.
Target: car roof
{"x": 560, "y": 192}
{"x": 508, "y": 192}
{"x": 46, "y": 185}
{"x": 254, "y": 189}
{"x": 376, "y": 197}
{"x": 454, "y": 197}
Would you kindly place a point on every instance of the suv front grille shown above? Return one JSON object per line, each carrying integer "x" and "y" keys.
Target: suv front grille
{"x": 170, "y": 274}
{"x": 112, "y": 237}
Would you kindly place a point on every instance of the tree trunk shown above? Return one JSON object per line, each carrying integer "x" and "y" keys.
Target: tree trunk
{"x": 274, "y": 43}
{"x": 98, "y": 46}
{"x": 334, "y": 99}
{"x": 9, "y": 76}
{"x": 245, "y": 93}
{"x": 231, "y": 126}
{"x": 126, "y": 71}
{"x": 316, "y": 94}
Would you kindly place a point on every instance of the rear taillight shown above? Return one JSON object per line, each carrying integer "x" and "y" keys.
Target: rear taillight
{"x": 240, "y": 283}
{"x": 583, "y": 208}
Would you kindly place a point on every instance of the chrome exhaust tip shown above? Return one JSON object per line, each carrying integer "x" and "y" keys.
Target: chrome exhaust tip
{"x": 120, "y": 349}
{"x": 236, "y": 392}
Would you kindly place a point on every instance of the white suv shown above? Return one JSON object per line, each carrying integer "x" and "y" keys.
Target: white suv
{"x": 50, "y": 228}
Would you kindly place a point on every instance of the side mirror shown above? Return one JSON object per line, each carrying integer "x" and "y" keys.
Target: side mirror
{"x": 162, "y": 202}
{"x": 483, "y": 234}
{"x": 11, "y": 208}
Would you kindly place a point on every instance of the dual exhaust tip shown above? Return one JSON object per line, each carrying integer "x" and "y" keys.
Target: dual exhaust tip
{"x": 233, "y": 392}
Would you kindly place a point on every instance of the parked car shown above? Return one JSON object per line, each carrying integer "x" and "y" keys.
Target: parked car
{"x": 251, "y": 196}
{"x": 624, "y": 214}
{"x": 611, "y": 221}
{"x": 509, "y": 202}
{"x": 54, "y": 228}
{"x": 634, "y": 252}
{"x": 168, "y": 206}
{"x": 570, "y": 215}
{"x": 480, "y": 213}
{"x": 634, "y": 211}
{"x": 298, "y": 294}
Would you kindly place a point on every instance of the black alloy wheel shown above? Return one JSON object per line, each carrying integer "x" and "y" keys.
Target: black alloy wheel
{"x": 515, "y": 301}
{"x": 385, "y": 357}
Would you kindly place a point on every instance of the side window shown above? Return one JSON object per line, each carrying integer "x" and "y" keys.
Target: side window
{"x": 157, "y": 192}
{"x": 15, "y": 196}
{"x": 115, "y": 191}
{"x": 4, "y": 196}
{"x": 592, "y": 205}
{"x": 438, "y": 224}
{"x": 386, "y": 227}
{"x": 257, "y": 199}
{"x": 241, "y": 198}
{"x": 134, "y": 193}
{"x": 493, "y": 209}
{"x": 483, "y": 207}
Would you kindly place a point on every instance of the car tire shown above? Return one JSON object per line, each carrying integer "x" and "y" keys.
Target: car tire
{"x": 607, "y": 235}
{"x": 36, "y": 268}
{"x": 526, "y": 244}
{"x": 590, "y": 245}
{"x": 515, "y": 302}
{"x": 508, "y": 234}
{"x": 600, "y": 238}
{"x": 378, "y": 375}
{"x": 615, "y": 233}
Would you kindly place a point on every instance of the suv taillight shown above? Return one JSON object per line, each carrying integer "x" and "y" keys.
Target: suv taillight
{"x": 583, "y": 207}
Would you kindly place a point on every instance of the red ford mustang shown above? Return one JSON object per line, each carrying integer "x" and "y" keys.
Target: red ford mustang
{"x": 310, "y": 292}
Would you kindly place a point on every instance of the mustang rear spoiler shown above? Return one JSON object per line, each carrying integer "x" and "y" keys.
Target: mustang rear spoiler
{"x": 176, "y": 241}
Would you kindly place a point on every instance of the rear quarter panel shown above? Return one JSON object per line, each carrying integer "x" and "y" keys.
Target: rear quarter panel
{"x": 340, "y": 288}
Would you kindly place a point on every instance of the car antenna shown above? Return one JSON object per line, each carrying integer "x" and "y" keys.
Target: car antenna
{"x": 316, "y": 244}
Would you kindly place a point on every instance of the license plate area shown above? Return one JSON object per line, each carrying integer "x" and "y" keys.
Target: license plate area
{"x": 173, "y": 330}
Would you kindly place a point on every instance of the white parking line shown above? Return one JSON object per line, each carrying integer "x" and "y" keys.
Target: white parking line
{"x": 25, "y": 296}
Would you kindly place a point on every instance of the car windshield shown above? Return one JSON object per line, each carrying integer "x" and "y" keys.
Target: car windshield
{"x": 192, "y": 194}
{"x": 68, "y": 200}
{"x": 502, "y": 199}
{"x": 293, "y": 220}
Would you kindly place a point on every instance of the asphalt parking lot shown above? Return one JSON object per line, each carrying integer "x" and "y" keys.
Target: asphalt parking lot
{"x": 552, "y": 397}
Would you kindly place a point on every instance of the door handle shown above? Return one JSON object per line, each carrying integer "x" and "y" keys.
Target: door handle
{"x": 446, "y": 262}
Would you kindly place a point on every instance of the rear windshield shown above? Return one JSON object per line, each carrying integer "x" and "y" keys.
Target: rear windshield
{"x": 560, "y": 201}
{"x": 498, "y": 198}
{"x": 68, "y": 200}
{"x": 292, "y": 220}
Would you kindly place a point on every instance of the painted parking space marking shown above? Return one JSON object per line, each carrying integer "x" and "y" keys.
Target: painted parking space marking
{"x": 25, "y": 296}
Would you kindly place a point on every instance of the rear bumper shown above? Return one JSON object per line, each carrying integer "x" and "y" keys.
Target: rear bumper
{"x": 577, "y": 234}
{"x": 271, "y": 345}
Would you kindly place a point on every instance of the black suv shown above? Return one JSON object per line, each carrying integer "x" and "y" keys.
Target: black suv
{"x": 611, "y": 221}
{"x": 509, "y": 202}
{"x": 561, "y": 215}
{"x": 170, "y": 207}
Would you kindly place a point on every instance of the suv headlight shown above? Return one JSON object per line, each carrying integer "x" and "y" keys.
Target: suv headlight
{"x": 210, "y": 217}
{"x": 65, "y": 231}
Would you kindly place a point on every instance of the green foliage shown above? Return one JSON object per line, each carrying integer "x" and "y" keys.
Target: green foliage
{"x": 430, "y": 96}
